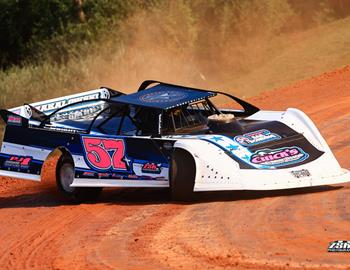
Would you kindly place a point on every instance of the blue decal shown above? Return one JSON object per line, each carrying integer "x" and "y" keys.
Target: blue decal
{"x": 232, "y": 147}
{"x": 18, "y": 162}
{"x": 163, "y": 96}
{"x": 216, "y": 138}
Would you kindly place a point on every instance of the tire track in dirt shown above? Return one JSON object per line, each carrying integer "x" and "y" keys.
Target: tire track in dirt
{"x": 296, "y": 224}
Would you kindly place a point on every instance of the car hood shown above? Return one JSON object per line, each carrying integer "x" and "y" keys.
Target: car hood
{"x": 264, "y": 145}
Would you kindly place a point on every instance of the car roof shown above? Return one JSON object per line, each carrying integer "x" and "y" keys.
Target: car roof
{"x": 164, "y": 96}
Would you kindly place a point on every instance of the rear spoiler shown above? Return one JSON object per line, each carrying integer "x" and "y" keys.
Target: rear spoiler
{"x": 249, "y": 109}
{"x": 39, "y": 110}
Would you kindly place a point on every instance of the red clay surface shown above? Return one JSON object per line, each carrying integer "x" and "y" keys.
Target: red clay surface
{"x": 140, "y": 229}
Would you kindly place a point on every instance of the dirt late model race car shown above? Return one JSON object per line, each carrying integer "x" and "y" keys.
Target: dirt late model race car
{"x": 165, "y": 135}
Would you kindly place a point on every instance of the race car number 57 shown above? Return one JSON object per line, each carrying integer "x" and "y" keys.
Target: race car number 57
{"x": 104, "y": 154}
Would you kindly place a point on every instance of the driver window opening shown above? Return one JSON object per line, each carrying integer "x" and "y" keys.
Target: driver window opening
{"x": 187, "y": 118}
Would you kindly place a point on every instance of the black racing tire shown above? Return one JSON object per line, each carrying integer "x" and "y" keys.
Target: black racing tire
{"x": 65, "y": 176}
{"x": 182, "y": 175}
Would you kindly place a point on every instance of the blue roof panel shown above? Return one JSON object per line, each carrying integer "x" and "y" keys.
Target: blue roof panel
{"x": 164, "y": 96}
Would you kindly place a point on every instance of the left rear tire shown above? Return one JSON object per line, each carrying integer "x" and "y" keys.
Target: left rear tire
{"x": 64, "y": 178}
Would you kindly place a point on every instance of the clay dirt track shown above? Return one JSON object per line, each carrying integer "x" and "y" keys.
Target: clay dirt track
{"x": 142, "y": 229}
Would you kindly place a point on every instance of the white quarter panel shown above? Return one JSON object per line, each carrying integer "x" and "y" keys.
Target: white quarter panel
{"x": 216, "y": 170}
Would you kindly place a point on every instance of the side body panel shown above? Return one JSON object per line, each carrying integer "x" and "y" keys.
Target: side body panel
{"x": 100, "y": 160}
{"x": 123, "y": 161}
{"x": 216, "y": 170}
{"x": 24, "y": 150}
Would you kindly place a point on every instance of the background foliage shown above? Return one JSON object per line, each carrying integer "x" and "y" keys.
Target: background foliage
{"x": 32, "y": 28}
{"x": 35, "y": 27}
{"x": 54, "y": 47}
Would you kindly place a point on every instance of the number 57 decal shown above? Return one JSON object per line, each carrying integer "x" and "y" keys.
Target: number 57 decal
{"x": 105, "y": 153}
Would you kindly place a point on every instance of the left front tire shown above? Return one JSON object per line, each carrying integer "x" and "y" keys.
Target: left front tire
{"x": 182, "y": 175}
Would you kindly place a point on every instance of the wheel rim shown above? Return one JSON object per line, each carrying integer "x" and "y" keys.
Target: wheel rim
{"x": 67, "y": 177}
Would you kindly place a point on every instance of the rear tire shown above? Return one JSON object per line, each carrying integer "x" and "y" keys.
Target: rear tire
{"x": 182, "y": 175}
{"x": 65, "y": 176}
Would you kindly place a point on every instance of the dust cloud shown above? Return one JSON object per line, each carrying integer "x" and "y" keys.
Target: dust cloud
{"x": 201, "y": 47}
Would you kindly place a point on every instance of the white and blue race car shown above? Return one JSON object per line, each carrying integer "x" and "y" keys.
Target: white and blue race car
{"x": 165, "y": 135}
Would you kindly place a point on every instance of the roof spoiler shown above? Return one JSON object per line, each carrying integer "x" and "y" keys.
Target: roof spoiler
{"x": 249, "y": 109}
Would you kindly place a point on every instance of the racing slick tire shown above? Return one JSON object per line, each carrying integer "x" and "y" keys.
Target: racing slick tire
{"x": 182, "y": 175}
{"x": 65, "y": 176}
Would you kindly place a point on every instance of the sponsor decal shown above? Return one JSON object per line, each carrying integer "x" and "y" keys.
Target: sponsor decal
{"x": 60, "y": 129}
{"x": 78, "y": 113}
{"x": 105, "y": 154}
{"x": 71, "y": 112}
{"x": 121, "y": 176}
{"x": 27, "y": 111}
{"x": 261, "y": 159}
{"x": 54, "y": 105}
{"x": 301, "y": 173}
{"x": 14, "y": 120}
{"x": 104, "y": 175}
{"x": 163, "y": 96}
{"x": 279, "y": 157}
{"x": 18, "y": 162}
{"x": 151, "y": 167}
{"x": 339, "y": 246}
{"x": 256, "y": 137}
{"x": 89, "y": 174}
